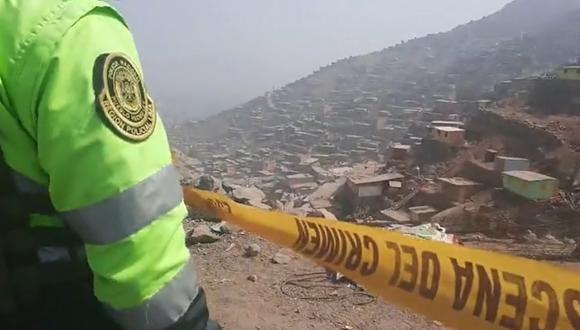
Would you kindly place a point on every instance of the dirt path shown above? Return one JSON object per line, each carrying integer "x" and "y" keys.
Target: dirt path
{"x": 240, "y": 304}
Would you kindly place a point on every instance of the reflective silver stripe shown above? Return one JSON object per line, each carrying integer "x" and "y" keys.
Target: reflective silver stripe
{"x": 27, "y": 186}
{"x": 163, "y": 309}
{"x": 120, "y": 216}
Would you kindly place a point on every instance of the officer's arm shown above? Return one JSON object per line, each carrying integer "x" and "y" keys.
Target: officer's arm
{"x": 109, "y": 164}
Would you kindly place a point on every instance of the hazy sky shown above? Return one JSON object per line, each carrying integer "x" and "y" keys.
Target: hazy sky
{"x": 201, "y": 57}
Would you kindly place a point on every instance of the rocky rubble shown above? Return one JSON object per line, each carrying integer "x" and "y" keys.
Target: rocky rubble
{"x": 281, "y": 258}
{"x": 252, "y": 250}
{"x": 201, "y": 234}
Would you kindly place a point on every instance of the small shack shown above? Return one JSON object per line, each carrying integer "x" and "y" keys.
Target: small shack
{"x": 397, "y": 216}
{"x": 571, "y": 72}
{"x": 400, "y": 151}
{"x": 371, "y": 186}
{"x": 530, "y": 185}
{"x": 448, "y": 135}
{"x": 302, "y": 182}
{"x": 300, "y": 178}
{"x": 422, "y": 214}
{"x": 458, "y": 189}
{"x": 506, "y": 164}
{"x": 447, "y": 123}
{"x": 490, "y": 156}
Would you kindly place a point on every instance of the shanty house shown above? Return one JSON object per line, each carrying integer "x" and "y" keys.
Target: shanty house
{"x": 448, "y": 135}
{"x": 363, "y": 186}
{"x": 530, "y": 185}
{"x": 506, "y": 164}
{"x": 422, "y": 214}
{"x": 302, "y": 182}
{"x": 447, "y": 123}
{"x": 400, "y": 151}
{"x": 458, "y": 189}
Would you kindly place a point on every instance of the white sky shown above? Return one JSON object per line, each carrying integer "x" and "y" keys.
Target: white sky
{"x": 201, "y": 57}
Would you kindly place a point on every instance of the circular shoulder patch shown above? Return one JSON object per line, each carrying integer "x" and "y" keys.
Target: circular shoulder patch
{"x": 123, "y": 99}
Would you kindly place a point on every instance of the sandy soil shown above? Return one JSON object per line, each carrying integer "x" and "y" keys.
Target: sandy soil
{"x": 270, "y": 303}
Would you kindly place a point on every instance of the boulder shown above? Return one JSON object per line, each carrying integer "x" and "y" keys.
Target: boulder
{"x": 201, "y": 234}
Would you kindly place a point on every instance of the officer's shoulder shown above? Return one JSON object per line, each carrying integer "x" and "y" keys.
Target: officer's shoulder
{"x": 22, "y": 22}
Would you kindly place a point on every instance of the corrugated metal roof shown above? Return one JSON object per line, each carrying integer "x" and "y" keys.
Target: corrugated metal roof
{"x": 459, "y": 181}
{"x": 449, "y": 129}
{"x": 365, "y": 179}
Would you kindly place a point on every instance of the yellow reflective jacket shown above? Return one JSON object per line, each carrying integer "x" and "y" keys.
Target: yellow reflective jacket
{"x": 77, "y": 126}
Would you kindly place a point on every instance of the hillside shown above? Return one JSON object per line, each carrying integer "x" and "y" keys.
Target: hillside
{"x": 525, "y": 37}
{"x": 401, "y": 139}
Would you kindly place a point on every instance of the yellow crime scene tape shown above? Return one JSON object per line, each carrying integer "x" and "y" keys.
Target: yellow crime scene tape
{"x": 462, "y": 287}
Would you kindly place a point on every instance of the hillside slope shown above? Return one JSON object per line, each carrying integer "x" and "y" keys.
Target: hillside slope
{"x": 525, "y": 37}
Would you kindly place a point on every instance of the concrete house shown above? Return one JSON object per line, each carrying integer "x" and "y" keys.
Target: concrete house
{"x": 371, "y": 186}
{"x": 448, "y": 135}
{"x": 530, "y": 185}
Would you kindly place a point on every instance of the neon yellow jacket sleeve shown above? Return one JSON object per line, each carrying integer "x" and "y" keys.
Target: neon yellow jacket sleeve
{"x": 122, "y": 197}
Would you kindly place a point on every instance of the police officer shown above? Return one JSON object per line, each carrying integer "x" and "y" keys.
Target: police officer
{"x": 86, "y": 179}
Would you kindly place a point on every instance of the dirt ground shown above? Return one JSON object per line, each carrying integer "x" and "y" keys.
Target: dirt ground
{"x": 270, "y": 303}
